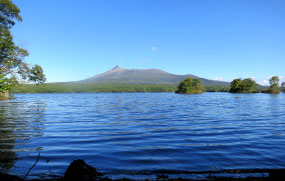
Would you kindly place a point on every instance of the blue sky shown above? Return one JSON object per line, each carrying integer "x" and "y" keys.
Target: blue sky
{"x": 214, "y": 39}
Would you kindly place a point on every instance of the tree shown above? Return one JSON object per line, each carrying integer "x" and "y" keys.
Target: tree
{"x": 197, "y": 84}
{"x": 283, "y": 86}
{"x": 190, "y": 86}
{"x": 236, "y": 85}
{"x": 243, "y": 86}
{"x": 249, "y": 85}
{"x": 12, "y": 65}
{"x": 274, "y": 85}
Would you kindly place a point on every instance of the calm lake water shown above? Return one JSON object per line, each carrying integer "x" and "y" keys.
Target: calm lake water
{"x": 128, "y": 133}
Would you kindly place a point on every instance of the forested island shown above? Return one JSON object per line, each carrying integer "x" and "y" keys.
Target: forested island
{"x": 243, "y": 86}
{"x": 190, "y": 86}
{"x": 250, "y": 86}
{"x": 274, "y": 86}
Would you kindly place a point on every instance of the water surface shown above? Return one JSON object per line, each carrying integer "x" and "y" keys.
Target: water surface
{"x": 128, "y": 133}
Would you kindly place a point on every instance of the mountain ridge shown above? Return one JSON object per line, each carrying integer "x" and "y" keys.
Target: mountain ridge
{"x": 144, "y": 76}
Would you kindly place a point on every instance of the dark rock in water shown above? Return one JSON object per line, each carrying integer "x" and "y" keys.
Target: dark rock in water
{"x": 79, "y": 170}
{"x": 278, "y": 174}
{"x": 8, "y": 177}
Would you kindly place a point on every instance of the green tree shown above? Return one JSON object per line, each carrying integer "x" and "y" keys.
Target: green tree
{"x": 249, "y": 85}
{"x": 243, "y": 86}
{"x": 12, "y": 65}
{"x": 274, "y": 85}
{"x": 190, "y": 86}
{"x": 283, "y": 86}
{"x": 236, "y": 85}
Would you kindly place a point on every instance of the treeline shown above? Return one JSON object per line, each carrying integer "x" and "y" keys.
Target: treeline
{"x": 91, "y": 88}
{"x": 108, "y": 88}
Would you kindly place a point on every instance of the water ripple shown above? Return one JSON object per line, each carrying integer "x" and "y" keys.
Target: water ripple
{"x": 127, "y": 133}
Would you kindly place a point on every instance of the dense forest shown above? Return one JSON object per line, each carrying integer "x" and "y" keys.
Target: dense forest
{"x": 243, "y": 86}
{"x": 190, "y": 86}
{"x": 94, "y": 88}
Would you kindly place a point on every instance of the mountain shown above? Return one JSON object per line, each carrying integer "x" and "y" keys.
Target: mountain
{"x": 144, "y": 76}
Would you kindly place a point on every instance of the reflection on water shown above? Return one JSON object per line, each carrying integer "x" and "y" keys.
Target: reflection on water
{"x": 19, "y": 122}
{"x": 7, "y": 139}
{"x": 145, "y": 132}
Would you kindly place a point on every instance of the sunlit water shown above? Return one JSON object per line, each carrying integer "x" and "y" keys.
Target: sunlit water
{"x": 127, "y": 133}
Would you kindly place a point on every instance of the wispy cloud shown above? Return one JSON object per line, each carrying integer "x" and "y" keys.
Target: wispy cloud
{"x": 153, "y": 48}
{"x": 218, "y": 78}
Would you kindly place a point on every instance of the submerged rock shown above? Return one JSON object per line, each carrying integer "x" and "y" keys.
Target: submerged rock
{"x": 79, "y": 170}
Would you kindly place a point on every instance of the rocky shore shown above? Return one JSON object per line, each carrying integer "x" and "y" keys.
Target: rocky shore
{"x": 78, "y": 170}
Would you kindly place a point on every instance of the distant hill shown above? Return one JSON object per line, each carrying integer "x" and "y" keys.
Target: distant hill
{"x": 144, "y": 76}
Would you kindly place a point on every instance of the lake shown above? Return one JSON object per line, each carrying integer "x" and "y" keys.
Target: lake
{"x": 124, "y": 134}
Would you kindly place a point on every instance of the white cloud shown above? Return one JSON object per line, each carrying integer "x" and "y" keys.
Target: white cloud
{"x": 263, "y": 82}
{"x": 230, "y": 79}
{"x": 153, "y": 48}
{"x": 218, "y": 78}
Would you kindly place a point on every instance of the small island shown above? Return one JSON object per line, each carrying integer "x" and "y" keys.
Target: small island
{"x": 243, "y": 86}
{"x": 190, "y": 86}
{"x": 250, "y": 86}
{"x": 274, "y": 85}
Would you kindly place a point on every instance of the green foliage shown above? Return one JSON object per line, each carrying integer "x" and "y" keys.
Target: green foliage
{"x": 216, "y": 88}
{"x": 190, "y": 86}
{"x": 243, "y": 86}
{"x": 12, "y": 56}
{"x": 7, "y": 83}
{"x": 236, "y": 85}
{"x": 283, "y": 86}
{"x": 92, "y": 88}
{"x": 37, "y": 75}
{"x": 99, "y": 87}
{"x": 274, "y": 85}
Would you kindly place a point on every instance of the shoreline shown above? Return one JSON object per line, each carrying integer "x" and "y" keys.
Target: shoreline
{"x": 79, "y": 170}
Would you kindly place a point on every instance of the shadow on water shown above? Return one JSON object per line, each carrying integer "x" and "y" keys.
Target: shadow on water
{"x": 19, "y": 122}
